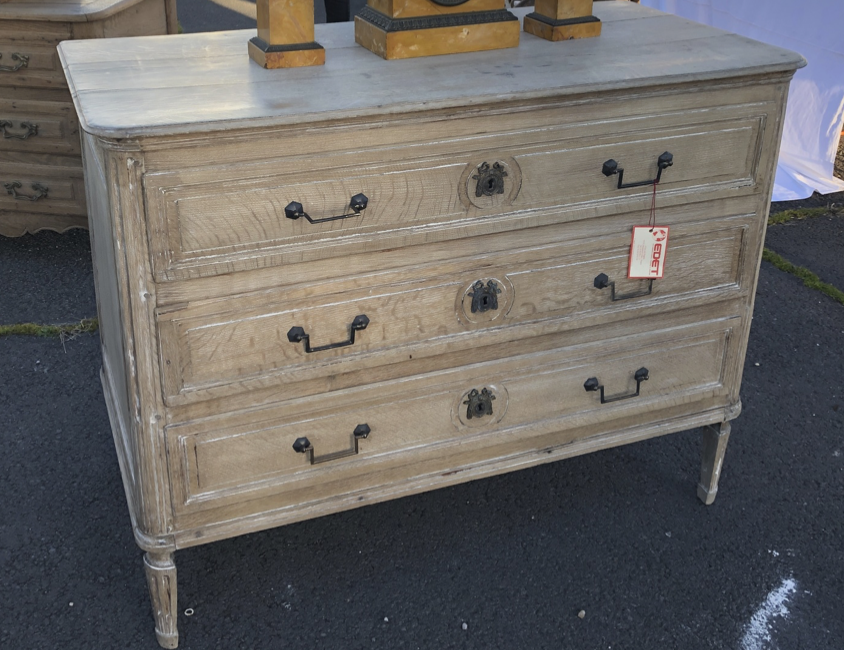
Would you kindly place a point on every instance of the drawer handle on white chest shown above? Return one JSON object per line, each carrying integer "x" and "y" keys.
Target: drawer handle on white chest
{"x": 41, "y": 191}
{"x": 294, "y": 210}
{"x": 298, "y": 335}
{"x": 602, "y": 281}
{"x": 304, "y": 446}
{"x": 611, "y": 167}
{"x": 30, "y": 129}
{"x": 22, "y": 62}
{"x": 592, "y": 385}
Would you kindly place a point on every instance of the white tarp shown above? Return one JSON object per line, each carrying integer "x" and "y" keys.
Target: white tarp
{"x": 815, "y": 116}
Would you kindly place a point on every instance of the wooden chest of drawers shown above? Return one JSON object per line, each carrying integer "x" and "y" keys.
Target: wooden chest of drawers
{"x": 320, "y": 288}
{"x": 40, "y": 162}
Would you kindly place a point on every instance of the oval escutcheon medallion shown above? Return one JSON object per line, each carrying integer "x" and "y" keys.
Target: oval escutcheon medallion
{"x": 491, "y": 183}
{"x": 484, "y": 301}
{"x": 480, "y": 406}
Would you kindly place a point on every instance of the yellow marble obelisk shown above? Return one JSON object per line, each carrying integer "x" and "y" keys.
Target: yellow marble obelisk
{"x": 286, "y": 35}
{"x": 562, "y": 20}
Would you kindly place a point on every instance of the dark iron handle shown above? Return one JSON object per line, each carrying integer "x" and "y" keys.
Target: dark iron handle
{"x": 22, "y": 62}
{"x": 592, "y": 384}
{"x": 41, "y": 191}
{"x": 304, "y": 446}
{"x": 298, "y": 334}
{"x": 611, "y": 167}
{"x": 294, "y": 210}
{"x": 602, "y": 281}
{"x": 31, "y": 129}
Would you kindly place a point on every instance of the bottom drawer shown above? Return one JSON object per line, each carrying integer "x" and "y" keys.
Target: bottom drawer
{"x": 384, "y": 433}
{"x": 43, "y": 188}
{"x": 15, "y": 223}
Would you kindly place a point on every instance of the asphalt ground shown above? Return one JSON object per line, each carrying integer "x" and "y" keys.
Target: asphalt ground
{"x": 507, "y": 562}
{"x": 618, "y": 534}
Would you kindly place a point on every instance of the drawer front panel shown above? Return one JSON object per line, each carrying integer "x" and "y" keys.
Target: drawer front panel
{"x": 428, "y": 417}
{"x": 249, "y": 340}
{"x": 42, "y": 188}
{"x": 38, "y": 127}
{"x": 29, "y": 56}
{"x": 207, "y": 222}
{"x": 702, "y": 155}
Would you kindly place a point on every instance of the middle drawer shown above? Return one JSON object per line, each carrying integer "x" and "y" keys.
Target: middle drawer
{"x": 393, "y": 320}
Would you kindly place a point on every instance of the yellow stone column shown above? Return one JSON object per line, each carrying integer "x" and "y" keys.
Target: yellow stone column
{"x": 286, "y": 35}
{"x": 562, "y": 20}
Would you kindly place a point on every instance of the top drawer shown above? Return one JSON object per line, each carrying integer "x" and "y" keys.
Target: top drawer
{"x": 28, "y": 55}
{"x": 221, "y": 219}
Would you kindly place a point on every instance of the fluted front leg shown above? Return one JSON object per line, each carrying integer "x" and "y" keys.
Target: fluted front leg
{"x": 715, "y": 440}
{"x": 161, "y": 577}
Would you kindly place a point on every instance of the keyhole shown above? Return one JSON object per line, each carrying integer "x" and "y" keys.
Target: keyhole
{"x": 479, "y": 408}
{"x": 490, "y": 185}
{"x": 485, "y": 301}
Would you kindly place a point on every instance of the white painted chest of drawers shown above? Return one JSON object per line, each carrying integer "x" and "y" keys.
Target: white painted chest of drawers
{"x": 273, "y": 350}
{"x": 41, "y": 181}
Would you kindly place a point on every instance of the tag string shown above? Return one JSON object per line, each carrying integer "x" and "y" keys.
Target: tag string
{"x": 652, "y": 219}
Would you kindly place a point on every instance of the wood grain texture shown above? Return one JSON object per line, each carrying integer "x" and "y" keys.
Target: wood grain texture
{"x": 161, "y": 579}
{"x": 208, "y": 226}
{"x": 63, "y": 10}
{"x": 64, "y": 186}
{"x": 201, "y": 275}
{"x": 715, "y": 439}
{"x": 16, "y": 223}
{"x": 260, "y": 514}
{"x": 138, "y": 75}
{"x": 35, "y": 102}
{"x": 233, "y": 340}
{"x": 258, "y": 458}
{"x": 38, "y": 127}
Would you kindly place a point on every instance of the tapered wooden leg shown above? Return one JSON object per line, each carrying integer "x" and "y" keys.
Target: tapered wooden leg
{"x": 161, "y": 577}
{"x": 715, "y": 438}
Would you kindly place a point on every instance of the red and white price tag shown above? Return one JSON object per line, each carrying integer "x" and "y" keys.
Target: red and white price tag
{"x": 647, "y": 252}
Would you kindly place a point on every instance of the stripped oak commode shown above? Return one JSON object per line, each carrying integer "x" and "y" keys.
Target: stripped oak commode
{"x": 41, "y": 184}
{"x": 321, "y": 288}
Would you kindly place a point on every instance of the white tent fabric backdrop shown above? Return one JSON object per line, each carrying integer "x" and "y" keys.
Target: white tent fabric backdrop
{"x": 815, "y": 114}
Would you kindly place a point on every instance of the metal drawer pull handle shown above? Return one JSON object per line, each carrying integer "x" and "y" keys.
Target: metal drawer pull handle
{"x": 611, "y": 167}
{"x": 298, "y": 334}
{"x": 31, "y": 129}
{"x": 304, "y": 446}
{"x": 592, "y": 384}
{"x": 294, "y": 210}
{"x": 602, "y": 281}
{"x": 40, "y": 191}
{"x": 22, "y": 62}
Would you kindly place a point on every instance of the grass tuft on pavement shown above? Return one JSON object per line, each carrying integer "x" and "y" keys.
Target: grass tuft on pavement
{"x": 64, "y": 332}
{"x": 802, "y": 213}
{"x": 809, "y": 279}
